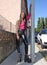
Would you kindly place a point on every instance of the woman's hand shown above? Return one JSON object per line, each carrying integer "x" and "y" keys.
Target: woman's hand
{"x": 17, "y": 36}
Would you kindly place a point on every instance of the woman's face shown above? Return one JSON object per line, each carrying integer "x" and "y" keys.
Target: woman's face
{"x": 22, "y": 15}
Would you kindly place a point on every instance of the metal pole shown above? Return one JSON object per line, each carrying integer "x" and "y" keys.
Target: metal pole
{"x": 32, "y": 32}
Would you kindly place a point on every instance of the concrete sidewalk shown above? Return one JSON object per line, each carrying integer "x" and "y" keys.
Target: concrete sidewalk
{"x": 12, "y": 59}
{"x": 39, "y": 59}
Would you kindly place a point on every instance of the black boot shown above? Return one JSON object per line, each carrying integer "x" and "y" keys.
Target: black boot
{"x": 20, "y": 58}
{"x": 27, "y": 59}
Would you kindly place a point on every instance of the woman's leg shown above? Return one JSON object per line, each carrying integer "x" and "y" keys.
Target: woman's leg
{"x": 26, "y": 48}
{"x": 18, "y": 50}
{"x": 25, "y": 43}
{"x": 18, "y": 45}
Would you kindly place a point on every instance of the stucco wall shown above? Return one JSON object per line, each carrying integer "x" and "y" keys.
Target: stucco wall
{"x": 4, "y": 23}
{"x": 10, "y": 10}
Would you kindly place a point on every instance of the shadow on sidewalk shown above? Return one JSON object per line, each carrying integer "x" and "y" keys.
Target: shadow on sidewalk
{"x": 12, "y": 59}
{"x": 40, "y": 55}
{"x": 44, "y": 54}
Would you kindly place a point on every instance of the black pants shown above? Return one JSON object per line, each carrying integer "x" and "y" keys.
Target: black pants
{"x": 24, "y": 40}
{"x": 18, "y": 45}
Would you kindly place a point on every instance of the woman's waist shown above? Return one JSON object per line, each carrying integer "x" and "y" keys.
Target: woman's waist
{"x": 22, "y": 31}
{"x": 22, "y": 27}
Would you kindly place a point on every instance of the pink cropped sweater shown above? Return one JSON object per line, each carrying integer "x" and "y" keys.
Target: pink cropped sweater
{"x": 22, "y": 25}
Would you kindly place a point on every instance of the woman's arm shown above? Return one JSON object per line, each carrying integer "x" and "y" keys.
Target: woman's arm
{"x": 17, "y": 28}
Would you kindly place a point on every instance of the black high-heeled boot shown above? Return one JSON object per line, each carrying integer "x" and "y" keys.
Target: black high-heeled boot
{"x": 20, "y": 58}
{"x": 27, "y": 59}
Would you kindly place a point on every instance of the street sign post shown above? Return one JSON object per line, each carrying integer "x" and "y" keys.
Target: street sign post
{"x": 32, "y": 32}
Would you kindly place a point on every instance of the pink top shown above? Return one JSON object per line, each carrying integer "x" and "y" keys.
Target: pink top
{"x": 22, "y": 25}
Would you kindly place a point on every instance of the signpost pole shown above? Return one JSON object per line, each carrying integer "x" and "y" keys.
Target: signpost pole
{"x": 32, "y": 31}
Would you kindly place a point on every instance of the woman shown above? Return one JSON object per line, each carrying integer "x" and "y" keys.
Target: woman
{"x": 22, "y": 34}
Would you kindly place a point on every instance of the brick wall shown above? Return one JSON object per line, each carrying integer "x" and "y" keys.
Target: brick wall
{"x": 7, "y": 43}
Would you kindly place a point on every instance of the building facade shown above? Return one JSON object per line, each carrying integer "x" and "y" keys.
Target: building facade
{"x": 24, "y": 6}
{"x": 9, "y": 13}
